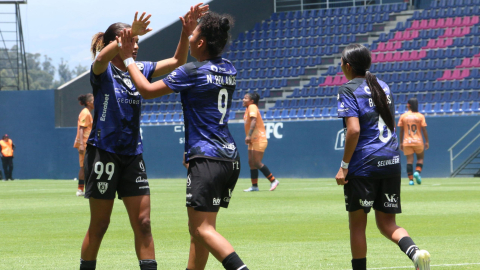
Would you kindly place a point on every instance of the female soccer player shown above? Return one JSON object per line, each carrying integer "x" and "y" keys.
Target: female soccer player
{"x": 411, "y": 140}
{"x": 206, "y": 88}
{"x": 370, "y": 169}
{"x": 257, "y": 142}
{"x": 84, "y": 126}
{"x": 113, "y": 160}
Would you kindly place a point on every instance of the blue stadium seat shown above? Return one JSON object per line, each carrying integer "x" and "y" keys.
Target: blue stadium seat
{"x": 144, "y": 118}
{"x": 310, "y": 113}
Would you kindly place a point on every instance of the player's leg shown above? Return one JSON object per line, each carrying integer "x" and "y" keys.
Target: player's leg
{"x": 5, "y": 167}
{"x": 81, "y": 176}
{"x": 387, "y": 225}
{"x": 202, "y": 229}
{"x": 10, "y": 168}
{"x": 198, "y": 255}
{"x": 258, "y": 152}
{"x": 138, "y": 208}
{"x": 419, "y": 166}
{"x": 134, "y": 190}
{"x": 100, "y": 211}
{"x": 409, "y": 155}
{"x": 358, "y": 240}
{"x": 253, "y": 171}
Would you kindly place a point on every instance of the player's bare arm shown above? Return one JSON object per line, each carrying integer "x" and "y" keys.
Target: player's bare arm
{"x": 189, "y": 22}
{"x": 425, "y": 134}
{"x": 351, "y": 140}
{"x": 253, "y": 124}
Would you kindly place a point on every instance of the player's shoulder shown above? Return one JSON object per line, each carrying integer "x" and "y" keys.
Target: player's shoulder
{"x": 252, "y": 107}
{"x": 350, "y": 86}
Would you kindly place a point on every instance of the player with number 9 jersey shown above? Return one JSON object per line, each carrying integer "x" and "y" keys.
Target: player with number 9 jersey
{"x": 206, "y": 90}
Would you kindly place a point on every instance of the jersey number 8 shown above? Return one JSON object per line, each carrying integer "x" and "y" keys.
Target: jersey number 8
{"x": 381, "y": 128}
{"x": 223, "y": 110}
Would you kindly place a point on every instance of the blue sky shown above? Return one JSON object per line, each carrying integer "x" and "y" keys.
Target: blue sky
{"x": 64, "y": 28}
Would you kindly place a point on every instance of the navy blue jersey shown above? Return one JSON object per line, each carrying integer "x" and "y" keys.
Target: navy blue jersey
{"x": 116, "y": 122}
{"x": 206, "y": 90}
{"x": 376, "y": 154}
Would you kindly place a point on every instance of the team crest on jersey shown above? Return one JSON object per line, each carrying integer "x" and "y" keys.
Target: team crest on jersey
{"x": 128, "y": 82}
{"x": 214, "y": 68}
{"x": 142, "y": 167}
{"x": 140, "y": 65}
{"x": 102, "y": 187}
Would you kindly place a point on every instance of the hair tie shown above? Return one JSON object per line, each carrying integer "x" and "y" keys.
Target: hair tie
{"x": 367, "y": 70}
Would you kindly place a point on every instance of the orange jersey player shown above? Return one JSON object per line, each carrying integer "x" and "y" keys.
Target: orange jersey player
{"x": 84, "y": 127}
{"x": 412, "y": 124}
{"x": 256, "y": 139}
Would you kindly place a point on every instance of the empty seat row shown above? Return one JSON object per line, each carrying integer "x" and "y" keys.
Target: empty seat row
{"x": 283, "y": 53}
{"x": 336, "y": 12}
{"x": 444, "y": 22}
{"x": 424, "y": 64}
{"x": 292, "y": 42}
{"x": 161, "y": 108}
{"x": 417, "y": 44}
{"x": 163, "y": 99}
{"x": 422, "y": 34}
{"x": 305, "y": 103}
{"x": 443, "y": 108}
{"x": 271, "y": 73}
{"x": 261, "y": 84}
{"x": 467, "y": 84}
{"x": 309, "y": 113}
{"x": 276, "y": 63}
{"x": 453, "y": 3}
{"x": 161, "y": 118}
{"x": 337, "y": 80}
{"x": 445, "y": 12}
{"x": 441, "y": 96}
{"x": 241, "y": 93}
{"x": 314, "y": 91}
{"x": 309, "y": 32}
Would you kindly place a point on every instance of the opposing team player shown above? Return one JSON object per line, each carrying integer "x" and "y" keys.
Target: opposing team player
{"x": 206, "y": 88}
{"x": 412, "y": 124}
{"x": 84, "y": 126}
{"x": 370, "y": 169}
{"x": 113, "y": 160}
{"x": 257, "y": 142}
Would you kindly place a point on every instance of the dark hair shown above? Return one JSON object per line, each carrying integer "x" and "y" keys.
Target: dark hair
{"x": 413, "y": 102}
{"x": 254, "y": 96}
{"x": 83, "y": 99}
{"x": 360, "y": 59}
{"x": 100, "y": 39}
{"x": 214, "y": 27}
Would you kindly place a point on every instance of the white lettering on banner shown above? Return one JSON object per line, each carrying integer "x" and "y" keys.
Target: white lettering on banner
{"x": 340, "y": 141}
{"x": 181, "y": 140}
{"x": 273, "y": 128}
{"x": 179, "y": 128}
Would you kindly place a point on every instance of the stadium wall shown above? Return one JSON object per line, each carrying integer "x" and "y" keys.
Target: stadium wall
{"x": 158, "y": 46}
{"x": 296, "y": 149}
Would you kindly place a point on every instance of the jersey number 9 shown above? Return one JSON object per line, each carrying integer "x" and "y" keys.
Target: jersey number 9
{"x": 223, "y": 110}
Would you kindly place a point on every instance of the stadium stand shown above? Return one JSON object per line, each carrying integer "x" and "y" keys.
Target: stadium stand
{"x": 292, "y": 60}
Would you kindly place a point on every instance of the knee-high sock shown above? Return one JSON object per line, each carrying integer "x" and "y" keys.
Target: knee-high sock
{"x": 254, "y": 177}
{"x": 419, "y": 167}
{"x": 267, "y": 173}
{"x": 410, "y": 171}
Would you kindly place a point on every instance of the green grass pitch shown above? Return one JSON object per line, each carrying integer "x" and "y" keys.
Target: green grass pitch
{"x": 301, "y": 225}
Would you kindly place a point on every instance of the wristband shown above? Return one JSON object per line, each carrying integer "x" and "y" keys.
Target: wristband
{"x": 344, "y": 165}
{"x": 128, "y": 61}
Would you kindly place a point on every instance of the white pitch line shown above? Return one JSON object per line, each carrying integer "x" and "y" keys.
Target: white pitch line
{"x": 397, "y": 267}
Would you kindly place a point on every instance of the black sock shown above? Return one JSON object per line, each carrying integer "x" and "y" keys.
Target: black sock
{"x": 233, "y": 262}
{"x": 254, "y": 177}
{"x": 267, "y": 173}
{"x": 148, "y": 264}
{"x": 419, "y": 168}
{"x": 410, "y": 171}
{"x": 359, "y": 264}
{"x": 88, "y": 265}
{"x": 407, "y": 245}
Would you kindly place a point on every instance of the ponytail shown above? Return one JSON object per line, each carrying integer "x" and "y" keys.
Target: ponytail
{"x": 380, "y": 100}
{"x": 413, "y": 102}
{"x": 97, "y": 43}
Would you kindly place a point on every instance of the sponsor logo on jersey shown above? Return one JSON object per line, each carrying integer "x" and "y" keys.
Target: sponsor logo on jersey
{"x": 226, "y": 199}
{"x": 142, "y": 166}
{"x": 128, "y": 82}
{"x": 171, "y": 76}
{"x": 366, "y": 203}
{"x": 141, "y": 180}
{"x": 214, "y": 68}
{"x": 216, "y": 201}
{"x": 102, "y": 187}
{"x": 105, "y": 106}
{"x": 388, "y": 162}
{"x": 392, "y": 201}
{"x": 143, "y": 187}
{"x": 230, "y": 146}
{"x": 189, "y": 195}
{"x": 140, "y": 65}
{"x": 189, "y": 182}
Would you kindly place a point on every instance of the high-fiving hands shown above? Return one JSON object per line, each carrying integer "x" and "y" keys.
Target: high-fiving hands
{"x": 140, "y": 26}
{"x": 189, "y": 21}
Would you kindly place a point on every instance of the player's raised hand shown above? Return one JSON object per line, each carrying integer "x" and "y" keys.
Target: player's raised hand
{"x": 126, "y": 43}
{"x": 190, "y": 20}
{"x": 140, "y": 26}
